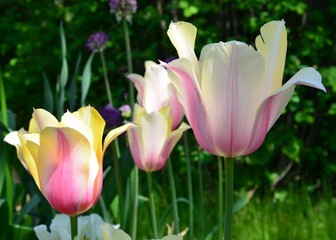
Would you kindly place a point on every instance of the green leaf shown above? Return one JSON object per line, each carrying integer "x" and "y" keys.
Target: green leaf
{"x": 27, "y": 208}
{"x": 86, "y": 79}
{"x": 72, "y": 95}
{"x": 48, "y": 96}
{"x": 172, "y": 237}
{"x": 242, "y": 201}
{"x": 22, "y": 232}
{"x": 4, "y": 229}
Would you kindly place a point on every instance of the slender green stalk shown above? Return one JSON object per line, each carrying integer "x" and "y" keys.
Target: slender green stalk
{"x": 118, "y": 179}
{"x": 135, "y": 202}
{"x": 220, "y": 198}
{"x": 152, "y": 204}
{"x": 229, "y": 167}
{"x": 74, "y": 226}
{"x": 190, "y": 190}
{"x": 173, "y": 194}
{"x": 5, "y": 164}
{"x": 131, "y": 102}
{"x": 107, "y": 84}
{"x": 3, "y": 105}
{"x": 129, "y": 61}
{"x": 115, "y": 148}
{"x": 201, "y": 195}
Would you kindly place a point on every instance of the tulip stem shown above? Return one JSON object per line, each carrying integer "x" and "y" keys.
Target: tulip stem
{"x": 107, "y": 84}
{"x": 152, "y": 204}
{"x": 135, "y": 202}
{"x": 229, "y": 171}
{"x": 4, "y": 164}
{"x": 201, "y": 195}
{"x": 190, "y": 190}
{"x": 74, "y": 226}
{"x": 220, "y": 198}
{"x": 115, "y": 147}
{"x": 173, "y": 193}
{"x": 129, "y": 61}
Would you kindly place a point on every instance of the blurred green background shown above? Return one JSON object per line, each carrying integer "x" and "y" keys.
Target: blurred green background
{"x": 299, "y": 151}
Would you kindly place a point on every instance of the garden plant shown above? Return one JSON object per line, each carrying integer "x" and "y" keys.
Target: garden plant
{"x": 125, "y": 119}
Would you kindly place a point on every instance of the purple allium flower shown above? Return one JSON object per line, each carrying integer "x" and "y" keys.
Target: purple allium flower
{"x": 97, "y": 41}
{"x": 123, "y": 8}
{"x": 111, "y": 115}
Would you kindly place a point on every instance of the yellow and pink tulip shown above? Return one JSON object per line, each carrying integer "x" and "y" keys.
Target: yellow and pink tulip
{"x": 66, "y": 158}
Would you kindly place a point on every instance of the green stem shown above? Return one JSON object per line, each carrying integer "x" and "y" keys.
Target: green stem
{"x": 5, "y": 164}
{"x": 129, "y": 61}
{"x": 74, "y": 226}
{"x": 135, "y": 203}
{"x": 107, "y": 84}
{"x": 118, "y": 179}
{"x": 220, "y": 198}
{"x": 132, "y": 102}
{"x": 3, "y": 105}
{"x": 115, "y": 148}
{"x": 173, "y": 193}
{"x": 201, "y": 194}
{"x": 229, "y": 169}
{"x": 190, "y": 191}
{"x": 152, "y": 204}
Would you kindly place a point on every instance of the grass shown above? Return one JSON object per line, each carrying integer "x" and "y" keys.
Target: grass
{"x": 294, "y": 213}
{"x": 297, "y": 216}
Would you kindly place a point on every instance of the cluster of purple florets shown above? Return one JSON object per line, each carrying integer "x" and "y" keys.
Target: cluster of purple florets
{"x": 97, "y": 41}
{"x": 123, "y": 8}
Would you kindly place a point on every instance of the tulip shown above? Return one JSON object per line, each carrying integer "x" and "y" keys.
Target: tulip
{"x": 156, "y": 91}
{"x": 65, "y": 158}
{"x": 233, "y": 94}
{"x": 89, "y": 227}
{"x": 152, "y": 141}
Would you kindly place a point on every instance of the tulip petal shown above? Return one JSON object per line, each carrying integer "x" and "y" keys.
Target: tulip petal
{"x": 148, "y": 139}
{"x": 30, "y": 147}
{"x": 183, "y": 36}
{"x": 40, "y": 120}
{"x": 189, "y": 95}
{"x": 64, "y": 164}
{"x": 171, "y": 141}
{"x": 139, "y": 83}
{"x": 272, "y": 107}
{"x": 232, "y": 90}
{"x": 89, "y": 122}
{"x": 110, "y": 232}
{"x": 272, "y": 45}
{"x": 115, "y": 133}
{"x": 156, "y": 87}
{"x": 14, "y": 139}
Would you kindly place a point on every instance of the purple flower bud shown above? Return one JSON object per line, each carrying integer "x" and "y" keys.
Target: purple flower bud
{"x": 126, "y": 111}
{"x": 111, "y": 115}
{"x": 97, "y": 41}
{"x": 123, "y": 8}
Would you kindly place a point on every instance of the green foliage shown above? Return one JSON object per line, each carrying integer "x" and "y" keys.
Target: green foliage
{"x": 37, "y": 57}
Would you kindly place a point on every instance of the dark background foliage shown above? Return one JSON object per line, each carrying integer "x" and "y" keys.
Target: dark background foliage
{"x": 299, "y": 148}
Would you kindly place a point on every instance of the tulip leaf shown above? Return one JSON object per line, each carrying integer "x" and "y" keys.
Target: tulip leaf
{"x": 48, "y": 96}
{"x": 86, "y": 78}
{"x": 63, "y": 78}
{"x": 21, "y": 232}
{"x": 73, "y": 86}
{"x": 242, "y": 201}
{"x": 4, "y": 215}
{"x": 27, "y": 208}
